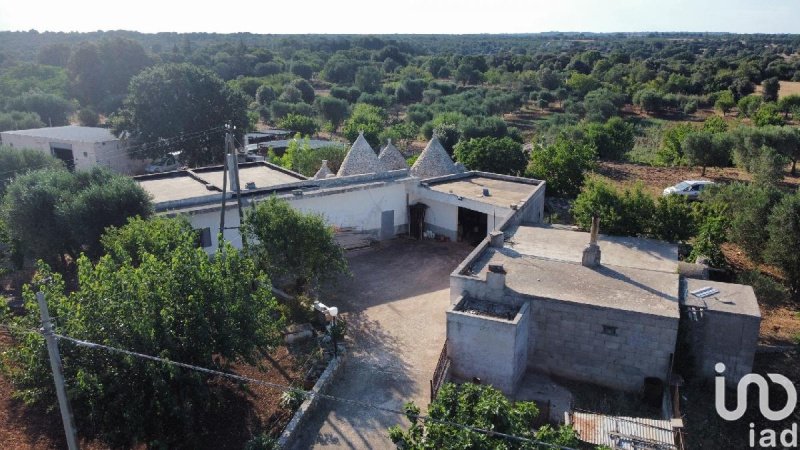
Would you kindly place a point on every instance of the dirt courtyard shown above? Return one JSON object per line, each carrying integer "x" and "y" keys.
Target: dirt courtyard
{"x": 395, "y": 307}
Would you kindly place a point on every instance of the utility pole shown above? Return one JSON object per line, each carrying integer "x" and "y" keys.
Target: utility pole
{"x": 58, "y": 375}
{"x": 237, "y": 185}
{"x": 224, "y": 185}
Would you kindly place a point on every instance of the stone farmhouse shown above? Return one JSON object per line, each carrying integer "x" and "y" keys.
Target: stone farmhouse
{"x": 530, "y": 297}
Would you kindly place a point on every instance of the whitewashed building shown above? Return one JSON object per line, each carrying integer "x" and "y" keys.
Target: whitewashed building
{"x": 80, "y": 148}
{"x": 365, "y": 196}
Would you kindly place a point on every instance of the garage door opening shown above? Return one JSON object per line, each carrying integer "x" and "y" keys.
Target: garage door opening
{"x": 471, "y": 226}
{"x": 65, "y": 154}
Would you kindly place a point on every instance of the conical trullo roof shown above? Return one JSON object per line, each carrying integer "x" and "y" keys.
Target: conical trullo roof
{"x": 433, "y": 162}
{"x": 323, "y": 172}
{"x": 391, "y": 158}
{"x": 360, "y": 159}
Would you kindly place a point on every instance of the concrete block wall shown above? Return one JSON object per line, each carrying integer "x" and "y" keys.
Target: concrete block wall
{"x": 494, "y": 350}
{"x": 569, "y": 340}
{"x": 731, "y": 339}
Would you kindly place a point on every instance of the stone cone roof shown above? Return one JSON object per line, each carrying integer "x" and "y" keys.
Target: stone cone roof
{"x": 360, "y": 159}
{"x": 323, "y": 172}
{"x": 391, "y": 157}
{"x": 433, "y": 162}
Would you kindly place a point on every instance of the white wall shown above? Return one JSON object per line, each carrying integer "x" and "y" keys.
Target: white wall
{"x": 360, "y": 209}
{"x": 86, "y": 154}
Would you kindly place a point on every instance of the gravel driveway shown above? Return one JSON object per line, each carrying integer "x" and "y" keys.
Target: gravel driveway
{"x": 395, "y": 307}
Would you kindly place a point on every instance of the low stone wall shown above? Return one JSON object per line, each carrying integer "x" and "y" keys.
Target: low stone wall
{"x": 304, "y": 411}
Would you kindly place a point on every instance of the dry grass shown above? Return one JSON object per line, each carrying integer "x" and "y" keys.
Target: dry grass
{"x": 655, "y": 179}
{"x": 787, "y": 88}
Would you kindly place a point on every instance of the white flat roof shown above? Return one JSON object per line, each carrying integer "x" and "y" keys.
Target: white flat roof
{"x": 68, "y": 133}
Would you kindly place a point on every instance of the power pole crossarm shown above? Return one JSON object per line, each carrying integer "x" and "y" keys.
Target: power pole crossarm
{"x": 58, "y": 375}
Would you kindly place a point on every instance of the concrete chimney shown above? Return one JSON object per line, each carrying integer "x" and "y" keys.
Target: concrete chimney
{"x": 497, "y": 238}
{"x": 496, "y": 277}
{"x": 591, "y": 254}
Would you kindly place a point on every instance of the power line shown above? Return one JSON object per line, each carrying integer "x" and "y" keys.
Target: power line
{"x": 138, "y": 148}
{"x": 286, "y": 388}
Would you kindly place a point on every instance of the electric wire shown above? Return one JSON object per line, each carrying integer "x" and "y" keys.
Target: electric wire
{"x": 306, "y": 393}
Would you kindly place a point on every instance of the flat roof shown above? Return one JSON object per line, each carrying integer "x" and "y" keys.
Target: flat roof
{"x": 544, "y": 261}
{"x": 731, "y": 298}
{"x": 643, "y": 291}
{"x": 312, "y": 143}
{"x": 174, "y": 186}
{"x": 502, "y": 192}
{"x": 563, "y": 244}
{"x": 262, "y": 176}
{"x": 190, "y": 184}
{"x": 68, "y": 133}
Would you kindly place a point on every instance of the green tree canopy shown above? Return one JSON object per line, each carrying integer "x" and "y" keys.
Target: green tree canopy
{"x": 784, "y": 239}
{"x": 182, "y": 306}
{"x": 304, "y": 125}
{"x": 292, "y": 246}
{"x": 747, "y": 207}
{"x": 770, "y": 86}
{"x": 18, "y": 161}
{"x": 333, "y": 109}
{"x": 706, "y": 149}
{"x": 562, "y": 166}
{"x": 367, "y": 119}
{"x": 490, "y": 154}
{"x": 169, "y": 100}
{"x": 51, "y": 108}
{"x": 477, "y": 406}
{"x": 52, "y": 211}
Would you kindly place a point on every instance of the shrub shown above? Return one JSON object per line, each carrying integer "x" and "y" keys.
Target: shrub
{"x": 562, "y": 165}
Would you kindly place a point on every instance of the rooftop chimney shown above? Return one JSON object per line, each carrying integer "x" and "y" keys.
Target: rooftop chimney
{"x": 496, "y": 277}
{"x": 591, "y": 254}
{"x": 496, "y": 239}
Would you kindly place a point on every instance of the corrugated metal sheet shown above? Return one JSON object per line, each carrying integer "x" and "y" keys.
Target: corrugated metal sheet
{"x": 619, "y": 432}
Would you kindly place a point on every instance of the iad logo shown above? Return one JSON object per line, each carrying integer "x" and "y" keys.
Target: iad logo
{"x": 767, "y": 438}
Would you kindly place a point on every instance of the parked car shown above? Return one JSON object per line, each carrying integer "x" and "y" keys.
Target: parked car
{"x": 690, "y": 189}
{"x": 167, "y": 163}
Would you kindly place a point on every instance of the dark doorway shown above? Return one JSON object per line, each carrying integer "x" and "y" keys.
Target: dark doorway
{"x": 65, "y": 154}
{"x": 387, "y": 224}
{"x": 471, "y": 226}
{"x": 417, "y": 220}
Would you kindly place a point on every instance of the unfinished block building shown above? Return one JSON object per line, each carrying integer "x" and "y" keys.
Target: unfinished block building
{"x": 599, "y": 309}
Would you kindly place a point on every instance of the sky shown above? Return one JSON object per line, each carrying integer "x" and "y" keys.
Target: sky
{"x": 404, "y": 16}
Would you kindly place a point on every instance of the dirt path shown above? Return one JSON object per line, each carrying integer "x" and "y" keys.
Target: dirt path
{"x": 395, "y": 306}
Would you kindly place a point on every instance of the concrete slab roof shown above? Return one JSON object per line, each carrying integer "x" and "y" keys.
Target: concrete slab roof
{"x": 644, "y": 291}
{"x": 563, "y": 244}
{"x": 262, "y": 176}
{"x": 185, "y": 185}
{"x": 732, "y": 298}
{"x": 68, "y": 133}
{"x": 501, "y": 192}
{"x": 174, "y": 186}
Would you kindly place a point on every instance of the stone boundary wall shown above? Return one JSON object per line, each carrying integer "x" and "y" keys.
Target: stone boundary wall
{"x": 307, "y": 407}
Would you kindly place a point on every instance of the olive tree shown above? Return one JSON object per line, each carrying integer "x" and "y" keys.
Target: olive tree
{"x": 157, "y": 294}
